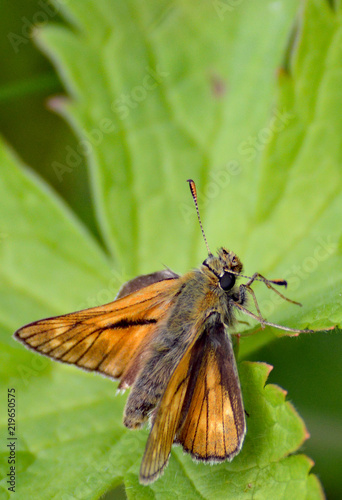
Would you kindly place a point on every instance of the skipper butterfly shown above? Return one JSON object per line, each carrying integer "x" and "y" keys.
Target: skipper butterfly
{"x": 168, "y": 337}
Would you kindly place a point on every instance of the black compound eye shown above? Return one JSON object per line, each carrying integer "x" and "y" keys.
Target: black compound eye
{"x": 227, "y": 281}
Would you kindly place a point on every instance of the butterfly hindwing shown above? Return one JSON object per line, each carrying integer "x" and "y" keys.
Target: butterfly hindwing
{"x": 201, "y": 408}
{"x": 104, "y": 338}
{"x": 144, "y": 281}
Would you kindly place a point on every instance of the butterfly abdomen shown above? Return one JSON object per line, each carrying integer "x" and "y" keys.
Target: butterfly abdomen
{"x": 165, "y": 352}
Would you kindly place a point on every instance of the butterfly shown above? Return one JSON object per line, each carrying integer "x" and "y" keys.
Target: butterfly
{"x": 168, "y": 338}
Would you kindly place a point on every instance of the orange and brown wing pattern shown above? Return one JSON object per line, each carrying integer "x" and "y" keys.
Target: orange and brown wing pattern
{"x": 105, "y": 338}
{"x": 201, "y": 408}
{"x": 212, "y": 426}
{"x": 160, "y": 440}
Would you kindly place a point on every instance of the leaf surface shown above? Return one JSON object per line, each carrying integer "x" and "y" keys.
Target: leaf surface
{"x": 259, "y": 130}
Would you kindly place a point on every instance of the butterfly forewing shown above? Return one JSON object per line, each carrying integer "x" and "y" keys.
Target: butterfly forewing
{"x": 212, "y": 426}
{"x": 165, "y": 336}
{"x": 201, "y": 408}
{"x": 104, "y": 338}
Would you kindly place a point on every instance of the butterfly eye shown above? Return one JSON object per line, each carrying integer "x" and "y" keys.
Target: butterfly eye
{"x": 227, "y": 281}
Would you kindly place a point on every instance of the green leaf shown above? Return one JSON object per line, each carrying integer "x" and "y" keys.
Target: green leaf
{"x": 274, "y": 430}
{"x": 167, "y": 120}
{"x": 162, "y": 92}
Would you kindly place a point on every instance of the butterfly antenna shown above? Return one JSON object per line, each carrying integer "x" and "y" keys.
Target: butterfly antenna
{"x": 192, "y": 186}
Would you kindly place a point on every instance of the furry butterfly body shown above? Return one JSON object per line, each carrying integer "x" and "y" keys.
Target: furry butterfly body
{"x": 166, "y": 336}
{"x": 168, "y": 339}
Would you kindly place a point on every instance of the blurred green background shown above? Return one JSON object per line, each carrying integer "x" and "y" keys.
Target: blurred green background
{"x": 27, "y": 82}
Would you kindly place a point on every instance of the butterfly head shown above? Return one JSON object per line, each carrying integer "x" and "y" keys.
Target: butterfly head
{"x": 225, "y": 266}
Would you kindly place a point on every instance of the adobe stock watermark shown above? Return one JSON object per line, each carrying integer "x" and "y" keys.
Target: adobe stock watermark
{"x": 253, "y": 145}
{"x": 298, "y": 273}
{"x": 223, "y": 6}
{"x": 107, "y": 294}
{"x": 218, "y": 179}
{"x": 131, "y": 100}
{"x": 40, "y": 18}
{"x": 122, "y": 106}
{"x": 75, "y": 156}
{"x": 32, "y": 369}
{"x": 248, "y": 149}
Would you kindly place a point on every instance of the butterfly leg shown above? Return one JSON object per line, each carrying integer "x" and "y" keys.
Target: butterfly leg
{"x": 242, "y": 299}
{"x": 260, "y": 277}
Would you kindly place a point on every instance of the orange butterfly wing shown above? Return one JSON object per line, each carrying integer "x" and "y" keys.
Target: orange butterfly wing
{"x": 108, "y": 338}
{"x": 164, "y": 426}
{"x": 212, "y": 426}
{"x": 202, "y": 407}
